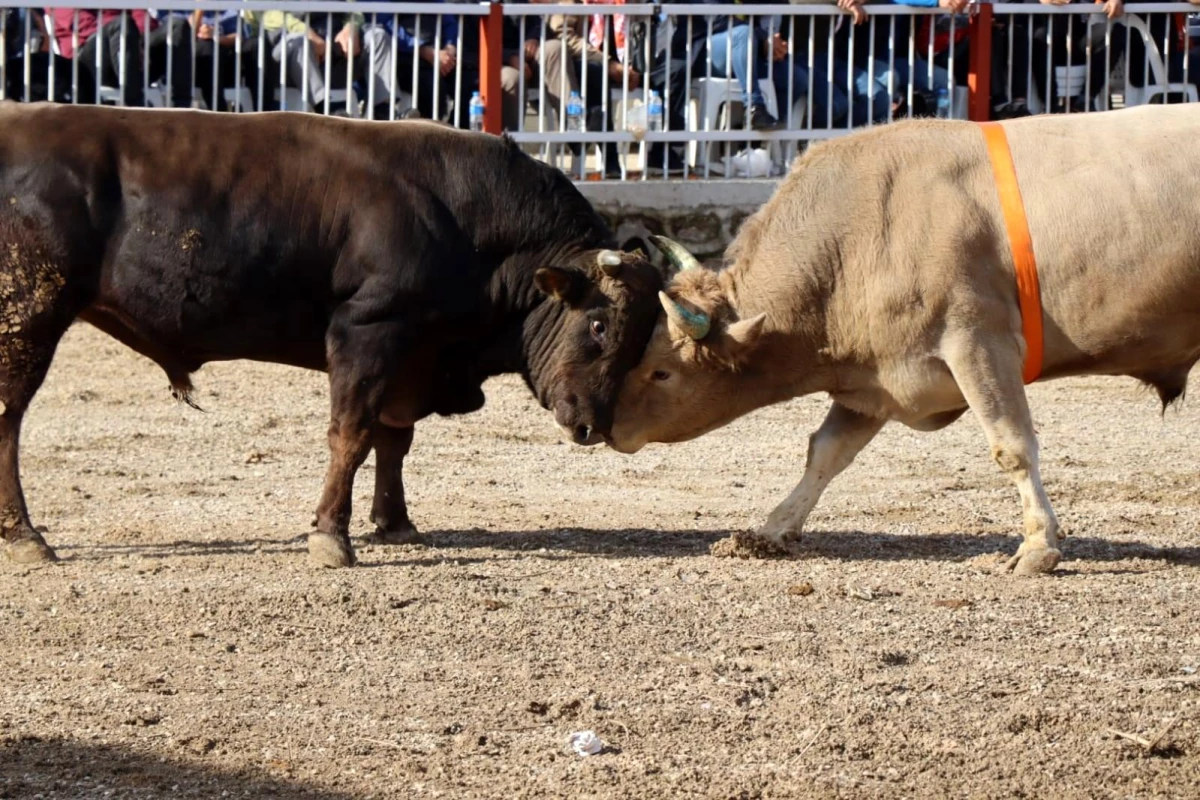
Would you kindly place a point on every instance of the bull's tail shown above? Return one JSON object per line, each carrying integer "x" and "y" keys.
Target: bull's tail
{"x": 1171, "y": 386}
{"x": 182, "y": 389}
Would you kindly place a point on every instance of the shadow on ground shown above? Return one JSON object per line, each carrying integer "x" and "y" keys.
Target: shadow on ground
{"x": 642, "y": 543}
{"x": 62, "y": 768}
{"x": 836, "y": 545}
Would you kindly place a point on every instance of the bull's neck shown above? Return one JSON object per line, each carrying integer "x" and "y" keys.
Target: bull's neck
{"x": 526, "y": 332}
{"x": 792, "y": 358}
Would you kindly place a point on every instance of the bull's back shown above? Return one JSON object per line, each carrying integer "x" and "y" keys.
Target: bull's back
{"x": 214, "y": 235}
{"x": 1112, "y": 206}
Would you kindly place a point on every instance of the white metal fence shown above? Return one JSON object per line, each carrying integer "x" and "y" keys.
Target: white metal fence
{"x": 611, "y": 90}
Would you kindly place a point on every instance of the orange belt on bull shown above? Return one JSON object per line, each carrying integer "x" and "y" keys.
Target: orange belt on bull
{"x": 1022, "y": 246}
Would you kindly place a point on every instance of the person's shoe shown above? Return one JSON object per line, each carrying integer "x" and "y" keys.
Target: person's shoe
{"x": 1011, "y": 110}
{"x": 762, "y": 120}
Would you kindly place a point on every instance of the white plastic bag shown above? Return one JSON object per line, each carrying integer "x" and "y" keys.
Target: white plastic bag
{"x": 754, "y": 162}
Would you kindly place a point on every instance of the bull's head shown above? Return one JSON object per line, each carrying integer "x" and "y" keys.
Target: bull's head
{"x": 692, "y": 377}
{"x": 596, "y": 332}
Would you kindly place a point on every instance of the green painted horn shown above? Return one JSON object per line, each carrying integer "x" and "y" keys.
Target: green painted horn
{"x": 693, "y": 323}
{"x": 676, "y": 253}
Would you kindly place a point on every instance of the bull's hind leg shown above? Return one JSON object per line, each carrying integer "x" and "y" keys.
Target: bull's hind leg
{"x": 989, "y": 376}
{"x": 389, "y": 511}
{"x": 831, "y": 449}
{"x": 19, "y": 380}
{"x": 33, "y": 317}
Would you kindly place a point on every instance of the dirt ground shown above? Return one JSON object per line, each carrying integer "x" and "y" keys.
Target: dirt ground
{"x": 184, "y": 647}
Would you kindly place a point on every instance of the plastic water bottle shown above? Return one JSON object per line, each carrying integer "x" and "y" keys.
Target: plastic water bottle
{"x": 476, "y": 112}
{"x": 574, "y": 112}
{"x": 654, "y": 112}
{"x": 943, "y": 103}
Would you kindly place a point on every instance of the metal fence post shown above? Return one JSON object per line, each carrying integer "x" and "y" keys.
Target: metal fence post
{"x": 979, "y": 77}
{"x": 491, "y": 61}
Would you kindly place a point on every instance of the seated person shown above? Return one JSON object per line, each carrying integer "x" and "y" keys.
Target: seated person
{"x": 892, "y": 69}
{"x": 521, "y": 52}
{"x": 832, "y": 94}
{"x": 1073, "y": 34}
{"x": 40, "y": 58}
{"x": 101, "y": 53}
{"x": 733, "y": 41}
{"x": 305, "y": 48}
{"x": 1169, "y": 34}
{"x": 562, "y": 75}
{"x": 1010, "y": 53}
{"x": 387, "y": 71}
{"x": 217, "y": 34}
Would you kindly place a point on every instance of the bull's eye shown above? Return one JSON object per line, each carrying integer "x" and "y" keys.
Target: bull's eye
{"x": 598, "y": 328}
{"x": 659, "y": 375}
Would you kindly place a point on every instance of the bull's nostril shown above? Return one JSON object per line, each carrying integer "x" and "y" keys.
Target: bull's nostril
{"x": 582, "y": 433}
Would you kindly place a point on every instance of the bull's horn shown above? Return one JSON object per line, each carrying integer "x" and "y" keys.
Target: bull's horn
{"x": 676, "y": 253}
{"x": 693, "y": 323}
{"x": 609, "y": 262}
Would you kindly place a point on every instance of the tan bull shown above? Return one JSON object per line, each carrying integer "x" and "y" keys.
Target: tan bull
{"x": 881, "y": 272}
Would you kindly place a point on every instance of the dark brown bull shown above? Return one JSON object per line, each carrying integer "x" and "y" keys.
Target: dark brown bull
{"x": 408, "y": 260}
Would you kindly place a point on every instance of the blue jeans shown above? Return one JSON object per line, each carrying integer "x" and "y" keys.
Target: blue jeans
{"x": 919, "y": 71}
{"x": 834, "y": 96}
{"x": 732, "y": 47}
{"x": 827, "y": 104}
{"x": 901, "y": 73}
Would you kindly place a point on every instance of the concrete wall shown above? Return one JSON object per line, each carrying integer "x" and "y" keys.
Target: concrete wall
{"x": 703, "y": 215}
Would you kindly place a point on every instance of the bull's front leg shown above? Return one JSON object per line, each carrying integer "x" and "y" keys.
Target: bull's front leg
{"x": 389, "y": 511}
{"x": 989, "y": 375}
{"x": 361, "y": 353}
{"x": 831, "y": 449}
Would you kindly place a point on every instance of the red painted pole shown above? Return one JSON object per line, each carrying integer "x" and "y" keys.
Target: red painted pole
{"x": 979, "y": 78}
{"x": 491, "y": 61}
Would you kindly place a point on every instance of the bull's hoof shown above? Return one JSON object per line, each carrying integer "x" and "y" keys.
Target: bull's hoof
{"x": 30, "y": 551}
{"x": 329, "y": 550}
{"x": 407, "y": 535}
{"x": 748, "y": 545}
{"x": 1041, "y": 561}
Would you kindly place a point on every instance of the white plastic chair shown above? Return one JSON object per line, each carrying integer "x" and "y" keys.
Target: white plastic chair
{"x": 1158, "y": 84}
{"x": 714, "y": 95}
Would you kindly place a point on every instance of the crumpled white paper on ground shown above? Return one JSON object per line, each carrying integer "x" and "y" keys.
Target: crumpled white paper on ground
{"x": 585, "y": 743}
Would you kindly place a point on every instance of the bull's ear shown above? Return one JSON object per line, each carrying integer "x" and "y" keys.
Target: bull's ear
{"x": 746, "y": 332}
{"x": 565, "y": 285}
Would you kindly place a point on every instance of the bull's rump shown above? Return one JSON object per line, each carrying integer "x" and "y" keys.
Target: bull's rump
{"x": 207, "y": 236}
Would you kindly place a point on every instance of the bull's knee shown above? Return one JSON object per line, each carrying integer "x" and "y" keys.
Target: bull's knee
{"x": 1011, "y": 458}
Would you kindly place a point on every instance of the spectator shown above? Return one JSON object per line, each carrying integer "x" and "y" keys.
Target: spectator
{"x": 521, "y": 52}
{"x": 268, "y": 30}
{"x": 101, "y": 53}
{"x": 303, "y": 48}
{"x": 1073, "y": 33}
{"x": 1169, "y": 34}
{"x": 669, "y": 72}
{"x": 892, "y": 65}
{"x": 217, "y": 34}
{"x": 737, "y": 52}
{"x": 385, "y": 68}
{"x": 1010, "y": 54}
{"x": 829, "y": 104}
{"x": 562, "y": 75}
{"x": 40, "y": 58}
